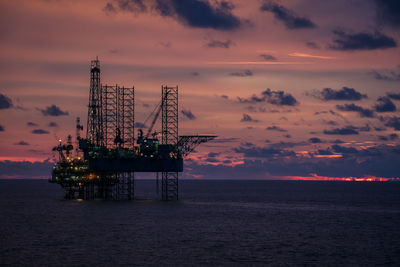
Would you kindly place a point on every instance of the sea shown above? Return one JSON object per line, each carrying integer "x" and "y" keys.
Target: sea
{"x": 215, "y": 223}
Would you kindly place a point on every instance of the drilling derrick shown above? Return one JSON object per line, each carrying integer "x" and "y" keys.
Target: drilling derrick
{"x": 94, "y": 130}
{"x": 110, "y": 154}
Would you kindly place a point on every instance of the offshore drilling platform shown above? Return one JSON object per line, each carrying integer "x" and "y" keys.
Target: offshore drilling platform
{"x": 104, "y": 163}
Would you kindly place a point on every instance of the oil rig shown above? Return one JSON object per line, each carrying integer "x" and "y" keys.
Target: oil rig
{"x": 104, "y": 163}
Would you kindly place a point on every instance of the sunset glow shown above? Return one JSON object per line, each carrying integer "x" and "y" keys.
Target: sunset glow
{"x": 311, "y": 95}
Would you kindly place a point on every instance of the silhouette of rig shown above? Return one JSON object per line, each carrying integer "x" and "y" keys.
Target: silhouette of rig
{"x": 106, "y": 160}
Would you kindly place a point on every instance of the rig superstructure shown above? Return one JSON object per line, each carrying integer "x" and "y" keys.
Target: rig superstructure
{"x": 105, "y": 162}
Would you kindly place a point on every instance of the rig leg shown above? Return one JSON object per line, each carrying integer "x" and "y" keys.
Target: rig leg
{"x": 169, "y": 186}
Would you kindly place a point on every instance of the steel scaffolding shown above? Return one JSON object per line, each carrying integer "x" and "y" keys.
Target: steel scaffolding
{"x": 169, "y": 130}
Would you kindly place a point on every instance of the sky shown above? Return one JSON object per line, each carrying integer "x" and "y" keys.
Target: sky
{"x": 294, "y": 89}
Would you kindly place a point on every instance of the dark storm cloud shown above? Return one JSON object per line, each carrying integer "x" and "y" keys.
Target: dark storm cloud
{"x": 5, "y": 102}
{"x": 313, "y": 45}
{"x": 1, "y": 128}
{"x": 394, "y": 96}
{"x": 22, "y": 143}
{"x": 345, "y": 93}
{"x": 291, "y": 20}
{"x": 279, "y": 98}
{"x": 343, "y": 149}
{"x": 244, "y": 73}
{"x": 385, "y": 105}
{"x": 268, "y": 57}
{"x": 52, "y": 124}
{"x": 314, "y": 140}
{"x": 348, "y": 130}
{"x": 54, "y": 111}
{"x": 364, "y": 112}
{"x": 388, "y": 12}
{"x": 392, "y": 122}
{"x": 361, "y": 41}
{"x": 31, "y": 124}
{"x": 40, "y": 131}
{"x": 248, "y": 118}
{"x": 188, "y": 114}
{"x": 220, "y": 44}
{"x": 140, "y": 125}
{"x": 275, "y": 128}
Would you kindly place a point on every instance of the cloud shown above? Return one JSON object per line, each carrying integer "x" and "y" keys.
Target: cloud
{"x": 291, "y": 20}
{"x": 275, "y": 128}
{"x": 394, "y": 96}
{"x": 314, "y": 140}
{"x": 345, "y": 93}
{"x": 244, "y": 73}
{"x": 308, "y": 56}
{"x": 268, "y": 57}
{"x": 361, "y": 41}
{"x": 330, "y": 122}
{"x": 40, "y": 131}
{"x": 313, "y": 45}
{"x": 389, "y": 137}
{"x": 348, "y": 130}
{"x": 225, "y": 140}
{"x": 388, "y": 12}
{"x": 283, "y": 144}
{"x": 248, "y": 118}
{"x": 52, "y": 124}
{"x": 213, "y": 154}
{"x": 385, "y": 105}
{"x": 1, "y": 128}
{"x": 5, "y": 102}
{"x": 200, "y": 14}
{"x": 29, "y": 123}
{"x": 21, "y": 143}
{"x": 387, "y": 75}
{"x": 109, "y": 8}
{"x": 279, "y": 98}
{"x": 363, "y": 112}
{"x": 220, "y": 44}
{"x": 140, "y": 125}
{"x": 188, "y": 114}
{"x": 133, "y": 6}
{"x": 344, "y": 150}
{"x": 392, "y": 122}
{"x": 54, "y": 111}
{"x": 324, "y": 152}
{"x": 262, "y": 152}
{"x": 190, "y": 13}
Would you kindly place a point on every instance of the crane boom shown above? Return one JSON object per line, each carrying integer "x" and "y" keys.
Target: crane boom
{"x": 154, "y": 121}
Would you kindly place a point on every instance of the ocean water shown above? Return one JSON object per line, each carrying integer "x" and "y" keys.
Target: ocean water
{"x": 216, "y": 223}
